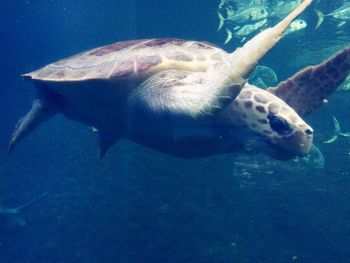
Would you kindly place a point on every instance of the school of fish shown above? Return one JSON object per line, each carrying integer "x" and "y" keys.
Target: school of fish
{"x": 244, "y": 18}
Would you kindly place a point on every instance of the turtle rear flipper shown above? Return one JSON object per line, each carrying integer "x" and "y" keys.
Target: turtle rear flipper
{"x": 39, "y": 113}
{"x": 307, "y": 90}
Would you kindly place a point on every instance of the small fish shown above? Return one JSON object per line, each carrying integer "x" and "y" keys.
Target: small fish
{"x": 229, "y": 12}
{"x": 245, "y": 30}
{"x": 342, "y": 14}
{"x": 296, "y": 25}
{"x": 249, "y": 29}
{"x": 337, "y": 132}
{"x": 247, "y": 16}
{"x": 224, "y": 3}
{"x": 283, "y": 8}
{"x": 229, "y": 36}
{"x": 239, "y": 3}
{"x": 13, "y": 216}
{"x": 345, "y": 86}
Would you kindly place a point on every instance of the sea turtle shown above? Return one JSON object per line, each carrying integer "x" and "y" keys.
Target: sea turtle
{"x": 172, "y": 95}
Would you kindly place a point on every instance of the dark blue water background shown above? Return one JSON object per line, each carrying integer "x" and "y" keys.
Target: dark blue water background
{"x": 138, "y": 205}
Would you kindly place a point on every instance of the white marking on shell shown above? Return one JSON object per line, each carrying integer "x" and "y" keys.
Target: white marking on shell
{"x": 113, "y": 68}
{"x": 135, "y": 67}
{"x": 142, "y": 43}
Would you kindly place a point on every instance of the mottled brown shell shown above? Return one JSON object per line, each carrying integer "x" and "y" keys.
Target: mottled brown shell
{"x": 131, "y": 59}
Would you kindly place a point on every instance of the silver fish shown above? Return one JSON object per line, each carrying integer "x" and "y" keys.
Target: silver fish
{"x": 342, "y": 14}
{"x": 346, "y": 85}
{"x": 245, "y": 30}
{"x": 239, "y": 3}
{"x": 225, "y": 2}
{"x": 284, "y": 7}
{"x": 337, "y": 132}
{"x": 296, "y": 25}
{"x": 247, "y": 16}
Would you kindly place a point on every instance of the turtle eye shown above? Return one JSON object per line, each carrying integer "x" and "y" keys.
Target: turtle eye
{"x": 279, "y": 125}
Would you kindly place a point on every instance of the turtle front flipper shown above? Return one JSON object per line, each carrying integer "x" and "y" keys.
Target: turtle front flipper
{"x": 39, "y": 113}
{"x": 246, "y": 58}
{"x": 307, "y": 90}
{"x": 184, "y": 95}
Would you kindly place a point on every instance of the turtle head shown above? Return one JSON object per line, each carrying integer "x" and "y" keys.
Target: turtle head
{"x": 287, "y": 137}
{"x": 271, "y": 125}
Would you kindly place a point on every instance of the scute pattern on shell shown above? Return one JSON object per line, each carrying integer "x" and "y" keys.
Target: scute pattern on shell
{"x": 126, "y": 59}
{"x": 114, "y": 47}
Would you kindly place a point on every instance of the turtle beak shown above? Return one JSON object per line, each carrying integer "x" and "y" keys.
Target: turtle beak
{"x": 298, "y": 143}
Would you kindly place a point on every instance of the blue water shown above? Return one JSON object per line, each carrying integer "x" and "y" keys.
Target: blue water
{"x": 138, "y": 205}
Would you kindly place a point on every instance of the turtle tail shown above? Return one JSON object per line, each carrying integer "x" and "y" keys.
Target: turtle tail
{"x": 39, "y": 113}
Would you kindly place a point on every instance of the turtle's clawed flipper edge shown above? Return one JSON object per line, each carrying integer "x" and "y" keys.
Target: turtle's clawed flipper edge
{"x": 307, "y": 90}
{"x": 39, "y": 113}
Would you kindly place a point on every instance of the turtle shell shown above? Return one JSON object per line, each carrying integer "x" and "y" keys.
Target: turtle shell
{"x": 131, "y": 59}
